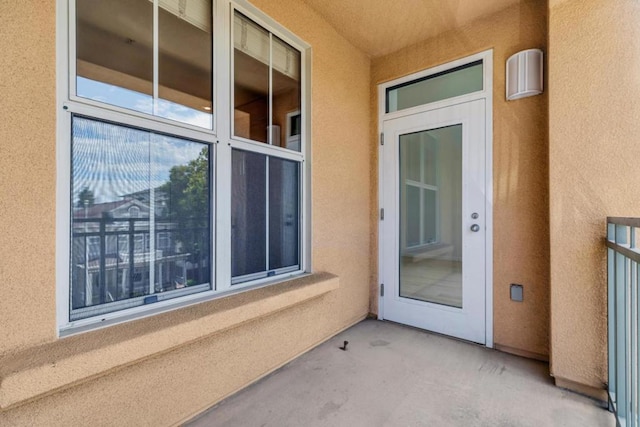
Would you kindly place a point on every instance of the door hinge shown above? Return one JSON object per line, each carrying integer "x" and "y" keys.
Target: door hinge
{"x": 381, "y": 138}
{"x": 382, "y": 214}
{"x": 381, "y": 289}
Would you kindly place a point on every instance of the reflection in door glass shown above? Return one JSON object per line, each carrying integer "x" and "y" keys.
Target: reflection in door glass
{"x": 431, "y": 216}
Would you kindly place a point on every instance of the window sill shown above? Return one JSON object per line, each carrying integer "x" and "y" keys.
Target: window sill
{"x": 53, "y": 366}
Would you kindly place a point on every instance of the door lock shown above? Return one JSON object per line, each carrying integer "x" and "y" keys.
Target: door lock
{"x": 474, "y": 215}
{"x": 475, "y": 228}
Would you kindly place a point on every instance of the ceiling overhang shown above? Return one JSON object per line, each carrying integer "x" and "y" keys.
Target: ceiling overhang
{"x": 380, "y": 27}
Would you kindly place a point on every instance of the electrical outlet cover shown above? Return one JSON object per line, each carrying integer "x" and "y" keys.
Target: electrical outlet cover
{"x": 517, "y": 293}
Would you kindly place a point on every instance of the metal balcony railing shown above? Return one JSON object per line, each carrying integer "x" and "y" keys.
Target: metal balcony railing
{"x": 623, "y": 262}
{"x": 128, "y": 257}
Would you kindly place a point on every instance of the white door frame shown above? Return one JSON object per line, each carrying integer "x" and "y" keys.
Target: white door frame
{"x": 487, "y": 95}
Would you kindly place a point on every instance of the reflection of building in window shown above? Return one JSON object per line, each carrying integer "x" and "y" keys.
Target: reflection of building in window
{"x": 431, "y": 193}
{"x": 126, "y": 274}
{"x": 420, "y": 190}
{"x": 134, "y": 212}
{"x": 163, "y": 241}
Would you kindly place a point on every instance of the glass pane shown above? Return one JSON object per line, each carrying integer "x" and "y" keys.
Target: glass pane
{"x": 448, "y": 84}
{"x": 129, "y": 187}
{"x": 248, "y": 213}
{"x": 185, "y": 74}
{"x": 283, "y": 213}
{"x": 114, "y": 45}
{"x": 251, "y": 55}
{"x": 286, "y": 95}
{"x": 431, "y": 218}
{"x": 181, "y": 191}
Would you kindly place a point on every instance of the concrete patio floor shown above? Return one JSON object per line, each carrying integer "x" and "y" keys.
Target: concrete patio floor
{"x": 392, "y": 375}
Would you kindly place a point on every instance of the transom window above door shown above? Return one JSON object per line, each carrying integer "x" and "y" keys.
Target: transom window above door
{"x": 438, "y": 86}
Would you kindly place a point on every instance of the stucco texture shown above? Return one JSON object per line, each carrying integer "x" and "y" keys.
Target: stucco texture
{"x": 27, "y": 174}
{"x": 174, "y": 385}
{"x": 594, "y": 106}
{"x": 520, "y": 167}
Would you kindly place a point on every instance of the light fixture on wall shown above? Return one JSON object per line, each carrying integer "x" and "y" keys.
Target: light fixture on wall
{"x": 524, "y": 74}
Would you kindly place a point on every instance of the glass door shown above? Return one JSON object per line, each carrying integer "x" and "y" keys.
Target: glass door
{"x": 433, "y": 233}
{"x": 430, "y": 256}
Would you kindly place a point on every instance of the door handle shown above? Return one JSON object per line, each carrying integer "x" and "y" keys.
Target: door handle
{"x": 475, "y": 228}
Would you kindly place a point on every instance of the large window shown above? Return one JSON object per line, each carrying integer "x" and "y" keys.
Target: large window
{"x": 158, "y": 183}
{"x": 129, "y": 187}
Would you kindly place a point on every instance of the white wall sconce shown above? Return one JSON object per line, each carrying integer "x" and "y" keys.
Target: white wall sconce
{"x": 524, "y": 74}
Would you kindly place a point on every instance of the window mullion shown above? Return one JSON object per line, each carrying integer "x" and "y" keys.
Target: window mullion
{"x": 270, "y": 142}
{"x": 423, "y": 180}
{"x": 71, "y": 62}
{"x": 270, "y": 122}
{"x": 152, "y": 252}
{"x": 155, "y": 57}
{"x": 152, "y": 222}
{"x": 266, "y": 207}
{"x": 223, "y": 48}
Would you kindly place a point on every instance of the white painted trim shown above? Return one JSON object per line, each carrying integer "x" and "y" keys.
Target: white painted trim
{"x": 215, "y": 79}
{"x": 488, "y": 111}
{"x": 223, "y": 27}
{"x": 306, "y": 257}
{"x": 487, "y": 95}
{"x": 462, "y": 99}
{"x": 69, "y": 47}
{"x": 156, "y": 62}
{"x": 270, "y": 123}
{"x": 141, "y": 120}
{"x": 381, "y": 264}
{"x": 283, "y": 33}
{"x": 67, "y": 103}
{"x": 63, "y": 166}
{"x": 262, "y": 148}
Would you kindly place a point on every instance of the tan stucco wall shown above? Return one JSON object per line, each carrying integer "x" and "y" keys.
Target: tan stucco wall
{"x": 521, "y": 230}
{"x": 594, "y": 110}
{"x": 168, "y": 387}
{"x": 27, "y": 174}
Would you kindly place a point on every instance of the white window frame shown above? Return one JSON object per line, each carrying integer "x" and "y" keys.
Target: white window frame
{"x": 163, "y": 239}
{"x": 221, "y": 144}
{"x": 290, "y": 138}
{"x": 421, "y": 186}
